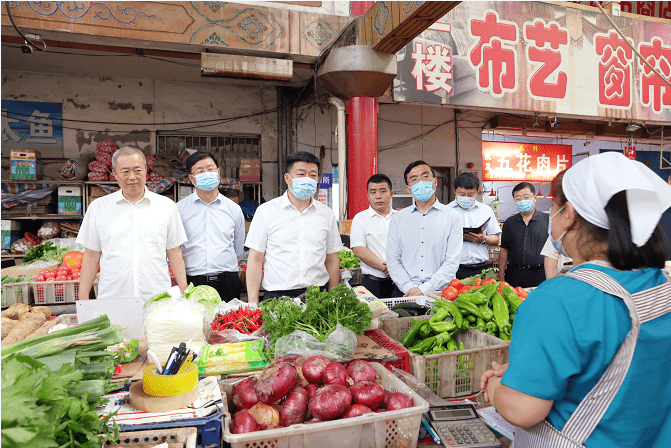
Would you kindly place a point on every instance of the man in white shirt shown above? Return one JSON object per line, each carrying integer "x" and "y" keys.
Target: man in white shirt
{"x": 368, "y": 237}
{"x": 215, "y": 227}
{"x": 130, "y": 233}
{"x": 294, "y": 237}
{"x": 474, "y": 254}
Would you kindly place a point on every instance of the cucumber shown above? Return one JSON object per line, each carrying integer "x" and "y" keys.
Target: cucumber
{"x": 410, "y": 306}
{"x": 401, "y": 312}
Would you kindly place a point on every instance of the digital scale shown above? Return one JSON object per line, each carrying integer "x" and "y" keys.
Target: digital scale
{"x": 458, "y": 425}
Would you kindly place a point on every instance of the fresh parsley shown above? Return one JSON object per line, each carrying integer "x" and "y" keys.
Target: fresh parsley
{"x": 45, "y": 252}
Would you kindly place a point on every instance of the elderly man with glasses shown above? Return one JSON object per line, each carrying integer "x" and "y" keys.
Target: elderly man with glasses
{"x": 425, "y": 239}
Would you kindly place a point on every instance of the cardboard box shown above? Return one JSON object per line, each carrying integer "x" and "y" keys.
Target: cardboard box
{"x": 69, "y": 200}
{"x": 25, "y": 164}
{"x": 250, "y": 170}
{"x": 10, "y": 232}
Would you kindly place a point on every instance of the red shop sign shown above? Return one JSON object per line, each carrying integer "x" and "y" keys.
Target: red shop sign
{"x": 630, "y": 151}
{"x": 524, "y": 161}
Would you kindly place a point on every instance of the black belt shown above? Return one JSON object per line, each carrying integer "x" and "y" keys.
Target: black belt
{"x": 476, "y": 266}
{"x": 376, "y": 279}
{"x": 527, "y": 267}
{"x": 212, "y": 278}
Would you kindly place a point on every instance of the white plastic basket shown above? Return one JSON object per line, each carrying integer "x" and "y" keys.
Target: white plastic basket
{"x": 49, "y": 293}
{"x": 67, "y": 319}
{"x": 386, "y": 429}
{"x": 16, "y": 293}
{"x": 419, "y": 300}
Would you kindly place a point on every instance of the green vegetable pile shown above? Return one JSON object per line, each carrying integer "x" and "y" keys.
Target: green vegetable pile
{"x": 348, "y": 259}
{"x": 45, "y": 252}
{"x": 51, "y": 385}
{"x": 10, "y": 279}
{"x": 323, "y": 311}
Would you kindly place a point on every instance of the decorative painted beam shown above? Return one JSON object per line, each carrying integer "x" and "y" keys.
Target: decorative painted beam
{"x": 389, "y": 26}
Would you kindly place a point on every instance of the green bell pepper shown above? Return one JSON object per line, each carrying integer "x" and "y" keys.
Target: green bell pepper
{"x": 491, "y": 328}
{"x": 480, "y": 324}
{"x": 442, "y": 327}
{"x": 408, "y": 338}
{"x": 451, "y": 345}
{"x": 513, "y": 299}
{"x": 468, "y": 306}
{"x": 501, "y": 314}
{"x": 425, "y": 331}
{"x": 471, "y": 318}
{"x": 423, "y": 345}
{"x": 440, "y": 315}
{"x": 461, "y": 345}
{"x": 474, "y": 297}
{"x": 455, "y": 312}
{"x": 438, "y": 349}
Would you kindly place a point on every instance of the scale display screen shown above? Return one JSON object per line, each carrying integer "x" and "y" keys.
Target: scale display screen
{"x": 441, "y": 415}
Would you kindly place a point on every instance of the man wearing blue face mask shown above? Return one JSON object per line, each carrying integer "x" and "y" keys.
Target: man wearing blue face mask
{"x": 294, "y": 238}
{"x": 425, "y": 239}
{"x": 524, "y": 235}
{"x": 215, "y": 227}
{"x": 474, "y": 255}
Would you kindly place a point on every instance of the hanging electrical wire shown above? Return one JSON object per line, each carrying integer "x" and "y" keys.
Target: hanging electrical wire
{"x": 18, "y": 30}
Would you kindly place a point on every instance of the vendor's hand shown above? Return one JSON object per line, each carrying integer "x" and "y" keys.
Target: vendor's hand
{"x": 414, "y": 291}
{"x": 475, "y": 237}
{"x": 384, "y": 269}
{"x": 495, "y": 373}
{"x": 242, "y": 274}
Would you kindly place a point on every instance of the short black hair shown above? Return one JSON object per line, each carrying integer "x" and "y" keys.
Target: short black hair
{"x": 197, "y": 157}
{"x": 469, "y": 181}
{"x": 522, "y": 186}
{"x": 412, "y": 165}
{"x": 378, "y": 179}
{"x": 300, "y": 156}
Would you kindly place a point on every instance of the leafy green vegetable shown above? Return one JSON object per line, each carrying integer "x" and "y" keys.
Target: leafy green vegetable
{"x": 10, "y": 279}
{"x": 45, "y": 252}
{"x": 323, "y": 311}
{"x": 160, "y": 297}
{"x": 348, "y": 259}
{"x": 40, "y": 408}
{"x": 203, "y": 294}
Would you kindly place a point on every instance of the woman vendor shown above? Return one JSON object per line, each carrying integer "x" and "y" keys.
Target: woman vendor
{"x": 590, "y": 353}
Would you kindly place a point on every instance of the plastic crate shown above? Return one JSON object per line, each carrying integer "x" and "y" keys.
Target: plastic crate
{"x": 457, "y": 373}
{"x": 381, "y": 339}
{"x": 420, "y": 300}
{"x": 49, "y": 293}
{"x": 209, "y": 429}
{"x": 396, "y": 328}
{"x": 16, "y": 293}
{"x": 67, "y": 319}
{"x": 386, "y": 429}
{"x": 184, "y": 436}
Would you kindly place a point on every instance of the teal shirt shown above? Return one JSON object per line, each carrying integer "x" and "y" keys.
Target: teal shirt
{"x": 564, "y": 336}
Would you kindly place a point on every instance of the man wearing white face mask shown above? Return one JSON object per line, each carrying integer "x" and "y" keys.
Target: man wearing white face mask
{"x": 524, "y": 235}
{"x": 215, "y": 227}
{"x": 425, "y": 239}
{"x": 474, "y": 255}
{"x": 294, "y": 237}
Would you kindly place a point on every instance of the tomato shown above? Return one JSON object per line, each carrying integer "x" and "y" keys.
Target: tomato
{"x": 466, "y": 289}
{"x": 61, "y": 278}
{"x": 50, "y": 275}
{"x": 75, "y": 271}
{"x": 63, "y": 270}
{"x": 521, "y": 292}
{"x": 44, "y": 272}
{"x": 74, "y": 276}
{"x": 450, "y": 293}
{"x": 502, "y": 285}
{"x": 40, "y": 278}
{"x": 73, "y": 259}
{"x": 489, "y": 281}
{"x": 455, "y": 283}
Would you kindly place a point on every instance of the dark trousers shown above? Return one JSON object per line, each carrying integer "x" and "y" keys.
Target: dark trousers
{"x": 288, "y": 292}
{"x": 382, "y": 288}
{"x": 466, "y": 270}
{"x": 227, "y": 284}
{"x": 526, "y": 278}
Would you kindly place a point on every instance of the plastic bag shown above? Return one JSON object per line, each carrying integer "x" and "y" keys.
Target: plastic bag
{"x": 231, "y": 335}
{"x": 338, "y": 346}
{"x": 127, "y": 350}
{"x": 169, "y": 322}
{"x": 229, "y": 358}
{"x": 21, "y": 246}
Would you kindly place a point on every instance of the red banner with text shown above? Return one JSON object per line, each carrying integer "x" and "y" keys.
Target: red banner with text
{"x": 524, "y": 161}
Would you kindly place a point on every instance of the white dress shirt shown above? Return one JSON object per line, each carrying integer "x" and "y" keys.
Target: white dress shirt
{"x": 476, "y": 253}
{"x": 295, "y": 243}
{"x": 133, "y": 240}
{"x": 423, "y": 249}
{"x": 369, "y": 229}
{"x": 216, "y": 233}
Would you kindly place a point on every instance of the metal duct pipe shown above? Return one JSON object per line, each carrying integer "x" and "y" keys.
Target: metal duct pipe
{"x": 342, "y": 156}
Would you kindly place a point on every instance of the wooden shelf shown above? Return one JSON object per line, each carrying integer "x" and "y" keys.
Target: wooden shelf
{"x": 12, "y": 256}
{"x": 36, "y": 217}
{"x": 59, "y": 182}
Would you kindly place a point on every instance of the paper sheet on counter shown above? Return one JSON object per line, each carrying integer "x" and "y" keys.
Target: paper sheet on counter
{"x": 494, "y": 420}
{"x": 209, "y": 395}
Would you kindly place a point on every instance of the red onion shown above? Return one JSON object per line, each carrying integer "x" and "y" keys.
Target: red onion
{"x": 335, "y": 373}
{"x": 312, "y": 389}
{"x": 244, "y": 394}
{"x": 313, "y": 368}
{"x": 294, "y": 407}
{"x": 386, "y": 399}
{"x": 367, "y": 393}
{"x": 330, "y": 402}
{"x": 244, "y": 422}
{"x": 276, "y": 382}
{"x": 360, "y": 370}
{"x": 356, "y": 410}
{"x": 398, "y": 400}
{"x": 265, "y": 415}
